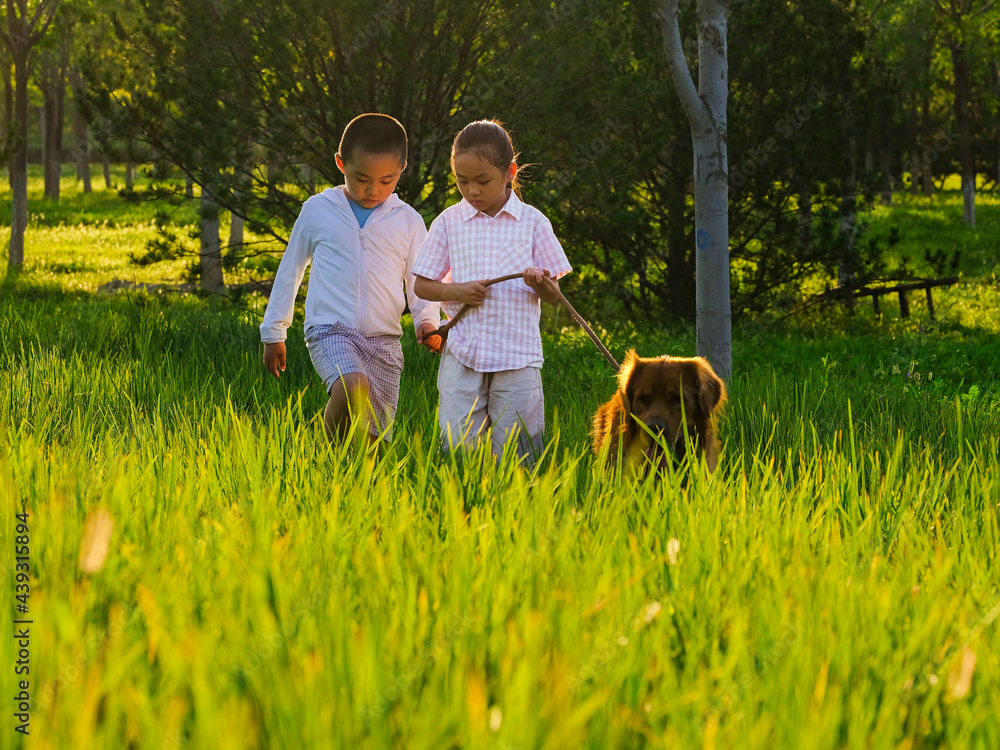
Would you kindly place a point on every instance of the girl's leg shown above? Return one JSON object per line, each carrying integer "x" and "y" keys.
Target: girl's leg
{"x": 462, "y": 411}
{"x": 348, "y": 404}
{"x": 517, "y": 405}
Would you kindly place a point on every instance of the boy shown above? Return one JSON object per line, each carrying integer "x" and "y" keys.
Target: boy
{"x": 362, "y": 241}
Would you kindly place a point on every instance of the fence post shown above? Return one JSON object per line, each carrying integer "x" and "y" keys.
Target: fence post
{"x": 904, "y": 306}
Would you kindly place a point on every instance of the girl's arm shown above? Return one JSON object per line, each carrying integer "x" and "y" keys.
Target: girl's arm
{"x": 470, "y": 293}
{"x": 541, "y": 282}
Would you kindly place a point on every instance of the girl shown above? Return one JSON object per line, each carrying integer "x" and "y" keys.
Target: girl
{"x": 489, "y": 378}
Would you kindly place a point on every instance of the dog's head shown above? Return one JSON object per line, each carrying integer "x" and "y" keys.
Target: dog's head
{"x": 668, "y": 394}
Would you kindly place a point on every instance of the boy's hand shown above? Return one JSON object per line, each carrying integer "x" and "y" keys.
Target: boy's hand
{"x": 434, "y": 342}
{"x": 471, "y": 293}
{"x": 274, "y": 358}
{"x": 541, "y": 282}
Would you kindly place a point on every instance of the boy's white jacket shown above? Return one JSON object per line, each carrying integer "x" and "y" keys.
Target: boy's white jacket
{"x": 357, "y": 274}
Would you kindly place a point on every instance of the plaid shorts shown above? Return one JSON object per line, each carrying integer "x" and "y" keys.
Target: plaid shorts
{"x": 340, "y": 349}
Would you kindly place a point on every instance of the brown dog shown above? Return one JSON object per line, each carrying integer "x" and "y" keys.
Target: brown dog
{"x": 665, "y": 394}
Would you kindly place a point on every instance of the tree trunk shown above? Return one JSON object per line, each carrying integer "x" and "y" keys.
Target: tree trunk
{"x": 211, "y": 255}
{"x": 926, "y": 173}
{"x": 885, "y": 155}
{"x": 917, "y": 154}
{"x": 51, "y": 130}
{"x": 58, "y": 122}
{"x": 82, "y": 152}
{"x": 19, "y": 158}
{"x": 106, "y": 168}
{"x": 235, "y": 234}
{"x": 705, "y": 108}
{"x": 848, "y": 198}
{"x": 188, "y": 186}
{"x": 129, "y": 169}
{"x": 960, "y": 70}
{"x": 80, "y": 134}
{"x": 995, "y": 80}
{"x": 7, "y": 123}
{"x": 805, "y": 212}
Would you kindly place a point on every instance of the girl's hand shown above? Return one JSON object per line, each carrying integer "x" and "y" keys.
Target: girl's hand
{"x": 471, "y": 293}
{"x": 274, "y": 358}
{"x": 541, "y": 282}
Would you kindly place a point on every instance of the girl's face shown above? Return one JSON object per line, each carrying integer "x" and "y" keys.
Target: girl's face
{"x": 483, "y": 185}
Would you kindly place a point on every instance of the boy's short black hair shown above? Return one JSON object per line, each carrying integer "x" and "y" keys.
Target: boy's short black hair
{"x": 373, "y": 134}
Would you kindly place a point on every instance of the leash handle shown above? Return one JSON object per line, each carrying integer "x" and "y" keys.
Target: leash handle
{"x": 443, "y": 330}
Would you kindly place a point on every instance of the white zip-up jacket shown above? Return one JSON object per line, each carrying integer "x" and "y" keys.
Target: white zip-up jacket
{"x": 357, "y": 274}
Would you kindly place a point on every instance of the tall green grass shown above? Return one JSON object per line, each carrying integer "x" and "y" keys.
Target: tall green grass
{"x": 830, "y": 586}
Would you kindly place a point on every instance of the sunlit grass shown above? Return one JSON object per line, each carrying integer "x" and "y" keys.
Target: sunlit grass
{"x": 936, "y": 224}
{"x": 829, "y": 586}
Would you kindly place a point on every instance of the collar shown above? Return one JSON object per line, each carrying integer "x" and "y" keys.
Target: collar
{"x": 513, "y": 207}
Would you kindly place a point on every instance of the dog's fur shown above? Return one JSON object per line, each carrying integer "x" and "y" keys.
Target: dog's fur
{"x": 654, "y": 391}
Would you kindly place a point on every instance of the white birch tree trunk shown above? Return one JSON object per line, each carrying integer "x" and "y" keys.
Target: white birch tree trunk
{"x": 211, "y": 252}
{"x": 236, "y": 234}
{"x": 705, "y": 108}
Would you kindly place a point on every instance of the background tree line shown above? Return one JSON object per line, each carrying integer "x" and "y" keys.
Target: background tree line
{"x": 832, "y": 104}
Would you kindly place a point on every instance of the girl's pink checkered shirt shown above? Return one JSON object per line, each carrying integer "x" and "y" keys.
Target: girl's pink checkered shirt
{"x": 467, "y": 245}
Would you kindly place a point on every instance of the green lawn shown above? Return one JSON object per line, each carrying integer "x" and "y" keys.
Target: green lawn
{"x": 833, "y": 585}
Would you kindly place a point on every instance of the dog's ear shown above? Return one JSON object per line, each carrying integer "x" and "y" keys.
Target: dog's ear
{"x": 625, "y": 376}
{"x": 631, "y": 358}
{"x": 711, "y": 389}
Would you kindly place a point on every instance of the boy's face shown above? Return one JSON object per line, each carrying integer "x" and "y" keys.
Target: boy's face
{"x": 370, "y": 178}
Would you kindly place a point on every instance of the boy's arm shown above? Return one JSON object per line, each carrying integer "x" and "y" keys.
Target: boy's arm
{"x": 281, "y": 303}
{"x": 426, "y": 314}
{"x": 274, "y": 358}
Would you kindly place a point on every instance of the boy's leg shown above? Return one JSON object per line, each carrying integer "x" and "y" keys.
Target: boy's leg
{"x": 462, "y": 411}
{"x": 362, "y": 379}
{"x": 349, "y": 403}
{"x": 517, "y": 405}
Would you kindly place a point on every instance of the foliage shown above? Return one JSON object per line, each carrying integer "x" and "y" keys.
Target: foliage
{"x": 251, "y": 108}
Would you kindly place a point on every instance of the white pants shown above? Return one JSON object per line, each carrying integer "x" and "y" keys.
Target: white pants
{"x": 505, "y": 403}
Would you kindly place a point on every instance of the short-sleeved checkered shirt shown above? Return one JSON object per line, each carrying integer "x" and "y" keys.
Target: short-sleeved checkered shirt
{"x": 467, "y": 245}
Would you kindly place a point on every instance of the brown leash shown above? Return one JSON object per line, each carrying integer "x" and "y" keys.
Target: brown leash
{"x": 443, "y": 330}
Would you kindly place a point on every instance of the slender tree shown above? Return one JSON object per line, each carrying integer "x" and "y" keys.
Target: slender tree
{"x": 52, "y": 79}
{"x": 705, "y": 107}
{"x": 26, "y": 25}
{"x": 963, "y": 20}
